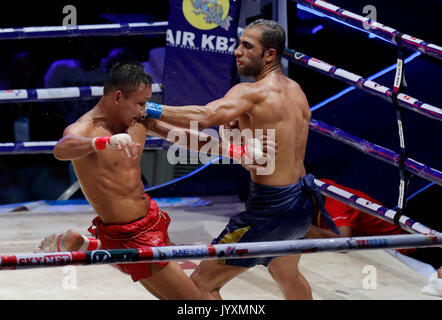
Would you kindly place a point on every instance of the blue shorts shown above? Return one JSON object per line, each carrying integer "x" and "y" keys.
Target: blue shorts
{"x": 272, "y": 213}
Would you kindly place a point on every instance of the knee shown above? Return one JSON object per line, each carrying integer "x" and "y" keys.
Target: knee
{"x": 204, "y": 285}
{"x": 197, "y": 279}
{"x": 276, "y": 270}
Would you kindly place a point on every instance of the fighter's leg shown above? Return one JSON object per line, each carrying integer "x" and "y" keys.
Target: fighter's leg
{"x": 171, "y": 283}
{"x": 211, "y": 275}
{"x": 292, "y": 283}
{"x": 151, "y": 289}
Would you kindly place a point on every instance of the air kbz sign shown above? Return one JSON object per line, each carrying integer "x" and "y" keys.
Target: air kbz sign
{"x": 201, "y": 39}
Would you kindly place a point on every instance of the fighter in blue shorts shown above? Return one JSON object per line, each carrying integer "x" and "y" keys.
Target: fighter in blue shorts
{"x": 280, "y": 205}
{"x": 274, "y": 213}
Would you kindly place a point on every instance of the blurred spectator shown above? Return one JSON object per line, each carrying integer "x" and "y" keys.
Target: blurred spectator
{"x": 155, "y": 64}
{"x": 117, "y": 55}
{"x": 87, "y": 69}
{"x": 22, "y": 73}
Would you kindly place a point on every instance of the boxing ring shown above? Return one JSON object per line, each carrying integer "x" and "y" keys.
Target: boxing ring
{"x": 362, "y": 251}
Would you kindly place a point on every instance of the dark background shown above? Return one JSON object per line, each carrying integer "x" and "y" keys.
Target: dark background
{"x": 36, "y": 177}
{"x": 367, "y": 116}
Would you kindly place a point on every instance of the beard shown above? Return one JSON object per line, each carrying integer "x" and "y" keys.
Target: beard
{"x": 250, "y": 69}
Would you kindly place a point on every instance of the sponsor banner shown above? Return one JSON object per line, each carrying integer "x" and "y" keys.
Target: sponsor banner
{"x": 199, "y": 62}
{"x": 13, "y": 94}
{"x": 44, "y": 259}
{"x": 112, "y": 256}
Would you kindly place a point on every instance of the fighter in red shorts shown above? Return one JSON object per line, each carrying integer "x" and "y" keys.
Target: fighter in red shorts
{"x": 105, "y": 146}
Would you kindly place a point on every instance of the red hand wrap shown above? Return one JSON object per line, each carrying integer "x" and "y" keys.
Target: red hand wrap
{"x": 236, "y": 151}
{"x": 100, "y": 142}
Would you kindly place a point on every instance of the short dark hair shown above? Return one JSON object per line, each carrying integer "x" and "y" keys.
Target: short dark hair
{"x": 127, "y": 77}
{"x": 273, "y": 35}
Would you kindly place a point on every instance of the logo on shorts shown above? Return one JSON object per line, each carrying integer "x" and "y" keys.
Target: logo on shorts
{"x": 207, "y": 14}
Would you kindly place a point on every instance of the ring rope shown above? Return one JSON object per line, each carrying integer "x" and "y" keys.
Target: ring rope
{"x": 328, "y": 9}
{"x": 88, "y": 92}
{"x": 373, "y": 209}
{"x": 297, "y": 57}
{"x": 386, "y": 155}
{"x": 374, "y": 27}
{"x": 133, "y": 28}
{"x": 115, "y": 29}
{"x": 366, "y": 85}
{"x": 57, "y": 94}
{"x": 218, "y": 251}
{"x": 46, "y": 147}
{"x": 334, "y": 192}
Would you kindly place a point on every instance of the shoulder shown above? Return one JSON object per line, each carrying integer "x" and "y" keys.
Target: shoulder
{"x": 295, "y": 93}
{"x": 241, "y": 88}
{"x": 83, "y": 127}
{"x": 295, "y": 90}
{"x": 247, "y": 90}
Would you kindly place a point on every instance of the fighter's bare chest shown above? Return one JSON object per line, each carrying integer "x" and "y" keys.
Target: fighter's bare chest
{"x": 245, "y": 121}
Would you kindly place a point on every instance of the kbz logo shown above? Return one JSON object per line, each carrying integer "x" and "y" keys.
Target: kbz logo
{"x": 205, "y": 42}
{"x": 207, "y": 14}
{"x": 204, "y": 15}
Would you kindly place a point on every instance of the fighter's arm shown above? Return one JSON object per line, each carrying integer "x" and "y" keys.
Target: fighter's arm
{"x": 78, "y": 142}
{"x": 74, "y": 144}
{"x": 203, "y": 142}
{"x": 184, "y": 137}
{"x": 239, "y": 100}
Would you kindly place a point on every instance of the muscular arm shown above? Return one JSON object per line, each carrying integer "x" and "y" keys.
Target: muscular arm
{"x": 240, "y": 99}
{"x": 77, "y": 143}
{"x": 74, "y": 144}
{"x": 184, "y": 137}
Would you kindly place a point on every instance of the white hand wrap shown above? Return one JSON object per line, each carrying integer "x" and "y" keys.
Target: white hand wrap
{"x": 111, "y": 142}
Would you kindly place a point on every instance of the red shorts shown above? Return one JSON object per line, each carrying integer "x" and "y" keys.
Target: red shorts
{"x": 149, "y": 231}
